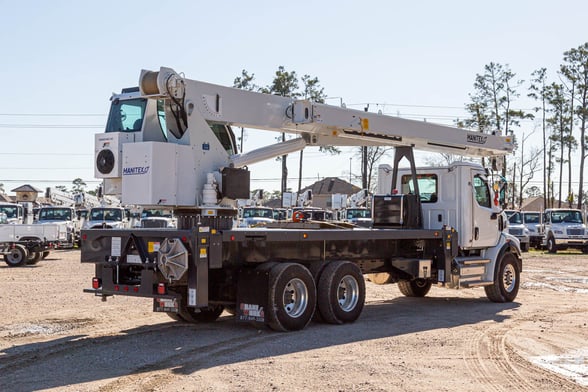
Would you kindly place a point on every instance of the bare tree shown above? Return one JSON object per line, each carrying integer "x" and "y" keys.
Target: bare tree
{"x": 373, "y": 156}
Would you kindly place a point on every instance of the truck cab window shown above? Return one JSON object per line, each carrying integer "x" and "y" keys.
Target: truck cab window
{"x": 126, "y": 116}
{"x": 482, "y": 192}
{"x": 428, "y": 186}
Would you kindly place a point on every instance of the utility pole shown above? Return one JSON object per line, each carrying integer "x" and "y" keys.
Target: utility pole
{"x": 364, "y": 179}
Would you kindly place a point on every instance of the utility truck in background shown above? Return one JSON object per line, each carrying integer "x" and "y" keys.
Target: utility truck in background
{"x": 564, "y": 228}
{"x": 170, "y": 144}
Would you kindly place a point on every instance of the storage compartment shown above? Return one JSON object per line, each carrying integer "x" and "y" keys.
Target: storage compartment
{"x": 395, "y": 211}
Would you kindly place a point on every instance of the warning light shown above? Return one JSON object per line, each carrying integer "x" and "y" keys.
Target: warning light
{"x": 136, "y": 289}
{"x": 394, "y": 191}
{"x": 232, "y": 238}
{"x": 365, "y": 124}
{"x": 84, "y": 237}
{"x": 305, "y": 235}
{"x": 116, "y": 288}
{"x": 96, "y": 283}
{"x": 184, "y": 239}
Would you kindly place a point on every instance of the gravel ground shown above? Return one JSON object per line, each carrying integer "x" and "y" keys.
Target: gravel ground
{"x": 55, "y": 337}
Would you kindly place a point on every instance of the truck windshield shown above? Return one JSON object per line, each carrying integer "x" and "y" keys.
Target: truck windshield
{"x": 156, "y": 213}
{"x": 258, "y": 213}
{"x": 62, "y": 214}
{"x": 566, "y": 217}
{"x": 106, "y": 214}
{"x": 358, "y": 213}
{"x": 531, "y": 217}
{"x": 9, "y": 211}
{"x": 126, "y": 115}
{"x": 515, "y": 218}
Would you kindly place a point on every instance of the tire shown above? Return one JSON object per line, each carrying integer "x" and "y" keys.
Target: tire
{"x": 551, "y": 247}
{"x": 196, "y": 315}
{"x": 341, "y": 293}
{"x": 34, "y": 258}
{"x": 414, "y": 287}
{"x": 380, "y": 278}
{"x": 202, "y": 315}
{"x": 17, "y": 256}
{"x": 525, "y": 247}
{"x": 291, "y": 297}
{"x": 45, "y": 254}
{"x": 506, "y": 280}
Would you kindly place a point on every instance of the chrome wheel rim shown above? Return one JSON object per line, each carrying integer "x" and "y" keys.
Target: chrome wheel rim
{"x": 295, "y": 297}
{"x": 509, "y": 278}
{"x": 348, "y": 293}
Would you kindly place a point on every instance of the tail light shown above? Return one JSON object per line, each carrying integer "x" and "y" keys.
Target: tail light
{"x": 96, "y": 283}
{"x": 161, "y": 289}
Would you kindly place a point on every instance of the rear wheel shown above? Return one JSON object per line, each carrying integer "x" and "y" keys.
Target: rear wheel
{"x": 506, "y": 280}
{"x": 34, "y": 258}
{"x": 45, "y": 254}
{"x": 16, "y": 257}
{"x": 291, "y": 297}
{"x": 414, "y": 287}
{"x": 341, "y": 292}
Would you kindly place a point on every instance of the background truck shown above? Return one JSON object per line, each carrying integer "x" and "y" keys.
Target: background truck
{"x": 21, "y": 243}
{"x": 107, "y": 218}
{"x": 67, "y": 218}
{"x": 15, "y": 213}
{"x": 564, "y": 228}
{"x": 169, "y": 143}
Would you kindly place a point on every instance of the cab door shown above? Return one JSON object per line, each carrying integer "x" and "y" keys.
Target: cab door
{"x": 485, "y": 217}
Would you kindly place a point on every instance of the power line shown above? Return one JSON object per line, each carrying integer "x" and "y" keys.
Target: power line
{"x": 52, "y": 115}
{"x": 40, "y": 126}
{"x": 45, "y": 153}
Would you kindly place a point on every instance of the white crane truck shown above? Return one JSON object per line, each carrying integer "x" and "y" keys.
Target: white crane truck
{"x": 169, "y": 143}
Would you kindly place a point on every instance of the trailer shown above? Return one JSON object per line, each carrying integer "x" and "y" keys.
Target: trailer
{"x": 169, "y": 143}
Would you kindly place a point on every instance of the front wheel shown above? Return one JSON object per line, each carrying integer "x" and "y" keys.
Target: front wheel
{"x": 506, "y": 280}
{"x": 201, "y": 315}
{"x": 414, "y": 287}
{"x": 551, "y": 247}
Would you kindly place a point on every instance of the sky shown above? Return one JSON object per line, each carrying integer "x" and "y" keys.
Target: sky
{"x": 62, "y": 60}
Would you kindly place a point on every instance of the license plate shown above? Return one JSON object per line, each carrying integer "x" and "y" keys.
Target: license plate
{"x": 165, "y": 305}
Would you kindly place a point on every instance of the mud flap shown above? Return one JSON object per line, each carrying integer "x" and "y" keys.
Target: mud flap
{"x": 252, "y": 294}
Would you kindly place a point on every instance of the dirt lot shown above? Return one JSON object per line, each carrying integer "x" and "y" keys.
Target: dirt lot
{"x": 54, "y": 337}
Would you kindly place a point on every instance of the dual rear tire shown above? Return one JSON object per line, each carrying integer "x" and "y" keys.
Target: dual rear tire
{"x": 337, "y": 295}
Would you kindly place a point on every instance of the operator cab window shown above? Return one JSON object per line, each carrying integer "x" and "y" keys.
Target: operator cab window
{"x": 126, "y": 116}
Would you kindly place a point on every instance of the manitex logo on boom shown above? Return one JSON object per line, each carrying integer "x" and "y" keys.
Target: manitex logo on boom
{"x": 133, "y": 171}
{"x": 478, "y": 139}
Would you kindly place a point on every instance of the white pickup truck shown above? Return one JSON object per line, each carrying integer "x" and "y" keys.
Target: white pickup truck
{"x": 20, "y": 244}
